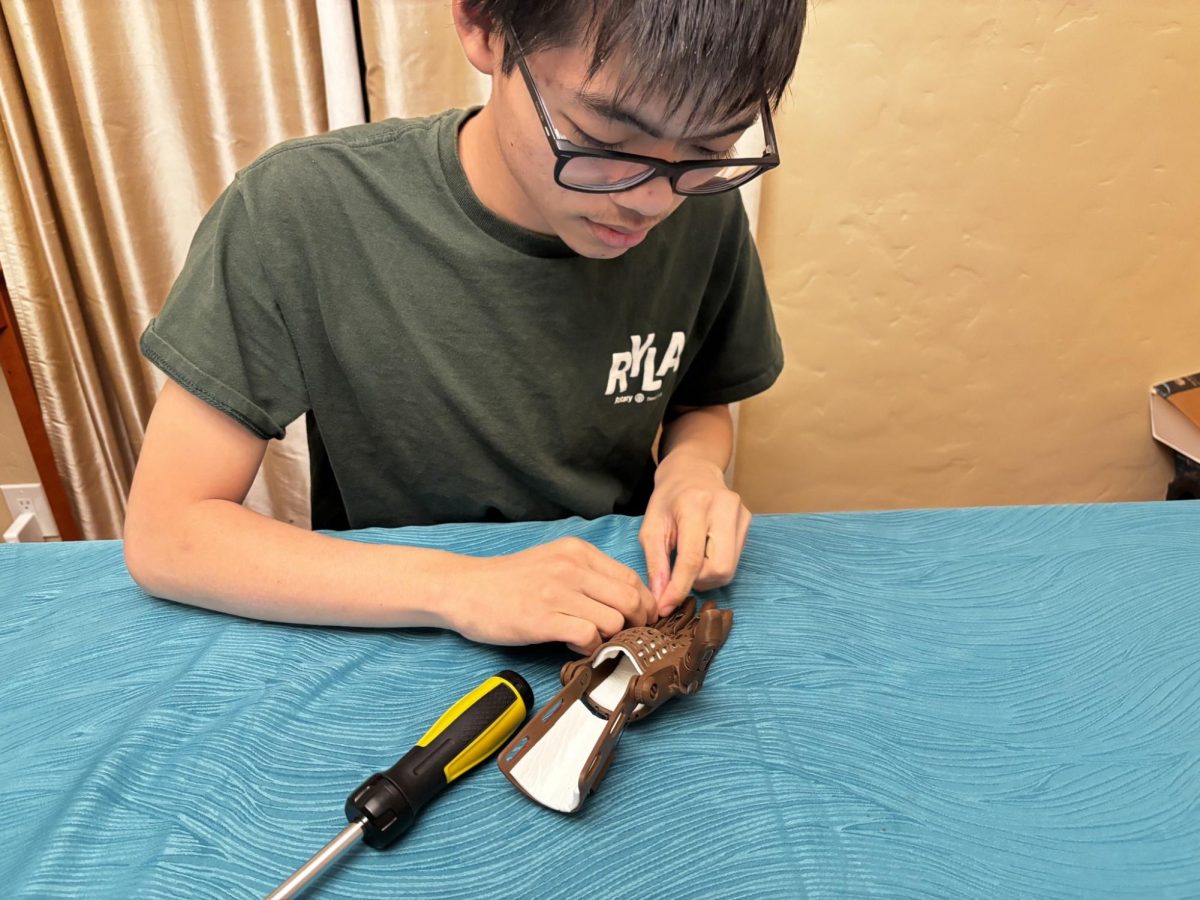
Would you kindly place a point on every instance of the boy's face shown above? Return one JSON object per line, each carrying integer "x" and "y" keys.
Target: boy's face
{"x": 600, "y": 226}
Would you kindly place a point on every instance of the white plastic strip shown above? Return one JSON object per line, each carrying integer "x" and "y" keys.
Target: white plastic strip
{"x": 25, "y": 530}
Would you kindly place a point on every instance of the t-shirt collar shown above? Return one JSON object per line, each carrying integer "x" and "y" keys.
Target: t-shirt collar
{"x": 508, "y": 233}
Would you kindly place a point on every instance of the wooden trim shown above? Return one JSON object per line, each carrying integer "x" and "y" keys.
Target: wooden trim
{"x": 19, "y": 376}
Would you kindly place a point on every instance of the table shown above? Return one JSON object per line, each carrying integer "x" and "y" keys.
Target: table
{"x": 977, "y": 702}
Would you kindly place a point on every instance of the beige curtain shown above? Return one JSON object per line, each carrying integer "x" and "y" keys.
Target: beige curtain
{"x": 414, "y": 63}
{"x": 121, "y": 124}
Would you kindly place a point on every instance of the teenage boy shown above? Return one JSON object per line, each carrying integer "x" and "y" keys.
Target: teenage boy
{"x": 485, "y": 315}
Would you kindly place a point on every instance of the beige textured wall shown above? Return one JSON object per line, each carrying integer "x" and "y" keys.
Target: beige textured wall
{"x": 983, "y": 247}
{"x": 16, "y": 465}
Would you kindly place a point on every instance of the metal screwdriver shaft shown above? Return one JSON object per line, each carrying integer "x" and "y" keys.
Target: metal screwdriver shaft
{"x": 386, "y": 804}
{"x": 322, "y": 858}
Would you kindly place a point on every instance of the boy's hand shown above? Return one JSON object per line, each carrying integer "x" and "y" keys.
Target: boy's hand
{"x": 693, "y": 513}
{"x": 567, "y": 590}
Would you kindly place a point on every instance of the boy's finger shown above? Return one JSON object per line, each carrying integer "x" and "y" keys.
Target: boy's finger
{"x": 617, "y": 594}
{"x": 724, "y": 546}
{"x": 744, "y": 518}
{"x": 656, "y": 546}
{"x": 580, "y": 635}
{"x": 689, "y": 560}
{"x": 607, "y": 620}
{"x": 600, "y": 562}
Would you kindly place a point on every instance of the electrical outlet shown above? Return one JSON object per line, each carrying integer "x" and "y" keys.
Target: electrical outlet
{"x": 23, "y": 498}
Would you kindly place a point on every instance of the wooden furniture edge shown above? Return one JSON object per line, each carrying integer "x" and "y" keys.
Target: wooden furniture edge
{"x": 19, "y": 376}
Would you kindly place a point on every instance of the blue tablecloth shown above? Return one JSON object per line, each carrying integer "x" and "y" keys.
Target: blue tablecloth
{"x": 989, "y": 702}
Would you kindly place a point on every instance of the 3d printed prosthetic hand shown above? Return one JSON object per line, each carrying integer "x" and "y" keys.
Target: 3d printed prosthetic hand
{"x": 563, "y": 752}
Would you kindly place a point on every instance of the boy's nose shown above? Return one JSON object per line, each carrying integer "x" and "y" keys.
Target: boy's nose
{"x": 652, "y": 199}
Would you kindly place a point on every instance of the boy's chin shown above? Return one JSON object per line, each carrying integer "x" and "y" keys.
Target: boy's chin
{"x": 594, "y": 252}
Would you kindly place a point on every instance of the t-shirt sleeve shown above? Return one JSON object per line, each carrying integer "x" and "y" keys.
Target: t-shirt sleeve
{"x": 221, "y": 334}
{"x": 740, "y": 354}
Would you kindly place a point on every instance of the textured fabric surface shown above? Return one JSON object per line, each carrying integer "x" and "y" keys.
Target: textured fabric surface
{"x": 986, "y": 703}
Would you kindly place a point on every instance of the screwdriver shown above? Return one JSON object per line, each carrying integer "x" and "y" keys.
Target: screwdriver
{"x": 386, "y": 804}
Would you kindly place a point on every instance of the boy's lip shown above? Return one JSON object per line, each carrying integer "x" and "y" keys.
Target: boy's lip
{"x": 620, "y": 238}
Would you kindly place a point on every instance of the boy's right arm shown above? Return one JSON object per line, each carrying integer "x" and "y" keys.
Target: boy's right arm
{"x": 189, "y": 538}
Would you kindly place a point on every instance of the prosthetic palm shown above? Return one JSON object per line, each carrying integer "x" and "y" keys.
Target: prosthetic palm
{"x": 563, "y": 752}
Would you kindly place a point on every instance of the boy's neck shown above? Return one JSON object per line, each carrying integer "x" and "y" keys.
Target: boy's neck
{"x": 489, "y": 175}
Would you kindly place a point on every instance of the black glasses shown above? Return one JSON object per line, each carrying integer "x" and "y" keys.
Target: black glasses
{"x": 598, "y": 171}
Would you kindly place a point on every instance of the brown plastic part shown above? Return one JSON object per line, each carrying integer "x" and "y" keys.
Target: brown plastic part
{"x": 674, "y": 656}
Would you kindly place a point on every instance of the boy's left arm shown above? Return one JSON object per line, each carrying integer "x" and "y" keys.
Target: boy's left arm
{"x": 691, "y": 510}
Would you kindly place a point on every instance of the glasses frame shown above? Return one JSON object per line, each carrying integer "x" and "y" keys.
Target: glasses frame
{"x": 565, "y": 151}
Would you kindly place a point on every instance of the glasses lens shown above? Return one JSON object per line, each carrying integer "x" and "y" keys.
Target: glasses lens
{"x": 750, "y": 144}
{"x": 612, "y": 174}
{"x": 710, "y": 180}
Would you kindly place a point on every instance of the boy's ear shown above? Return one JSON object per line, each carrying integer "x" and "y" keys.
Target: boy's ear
{"x": 482, "y": 45}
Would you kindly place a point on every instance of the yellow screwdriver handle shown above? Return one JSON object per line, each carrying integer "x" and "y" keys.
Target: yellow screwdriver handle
{"x": 490, "y": 713}
{"x": 466, "y": 734}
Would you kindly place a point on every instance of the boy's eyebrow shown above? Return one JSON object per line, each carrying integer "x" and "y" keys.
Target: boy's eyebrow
{"x": 602, "y": 105}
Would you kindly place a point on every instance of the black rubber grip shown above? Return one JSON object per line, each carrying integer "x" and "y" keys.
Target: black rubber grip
{"x": 390, "y": 801}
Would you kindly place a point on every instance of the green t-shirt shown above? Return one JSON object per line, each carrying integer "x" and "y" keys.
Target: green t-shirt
{"x": 453, "y": 366}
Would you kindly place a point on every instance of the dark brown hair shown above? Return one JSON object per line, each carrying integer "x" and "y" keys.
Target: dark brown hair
{"x": 723, "y": 56}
